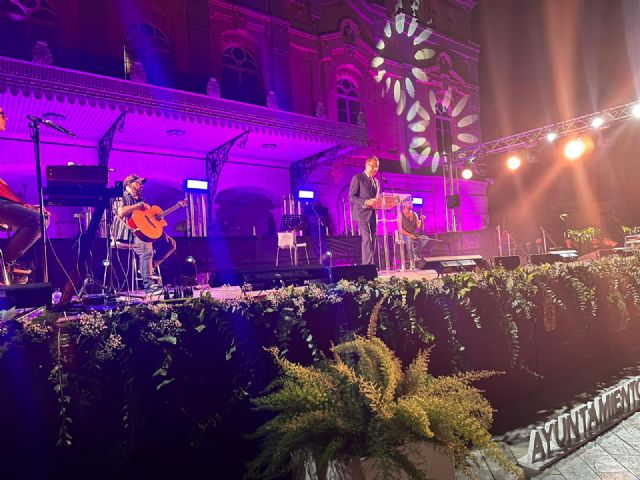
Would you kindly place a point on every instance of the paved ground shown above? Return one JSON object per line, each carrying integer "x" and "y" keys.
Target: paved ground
{"x": 614, "y": 455}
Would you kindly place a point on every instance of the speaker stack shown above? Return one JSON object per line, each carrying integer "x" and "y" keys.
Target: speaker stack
{"x": 273, "y": 277}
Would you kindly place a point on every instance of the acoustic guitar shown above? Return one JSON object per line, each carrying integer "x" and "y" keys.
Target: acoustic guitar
{"x": 148, "y": 224}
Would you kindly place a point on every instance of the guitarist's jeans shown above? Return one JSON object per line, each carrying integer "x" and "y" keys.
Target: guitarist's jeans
{"x": 144, "y": 251}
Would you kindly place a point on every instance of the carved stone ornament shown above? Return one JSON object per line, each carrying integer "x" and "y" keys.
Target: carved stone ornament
{"x": 41, "y": 53}
{"x": 213, "y": 88}
{"x": 138, "y": 74}
{"x": 272, "y": 100}
{"x": 362, "y": 120}
{"x": 320, "y": 111}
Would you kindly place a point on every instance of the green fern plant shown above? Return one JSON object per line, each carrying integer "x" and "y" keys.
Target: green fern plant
{"x": 362, "y": 403}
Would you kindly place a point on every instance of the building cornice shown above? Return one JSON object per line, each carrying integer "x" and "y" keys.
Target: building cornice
{"x": 18, "y": 77}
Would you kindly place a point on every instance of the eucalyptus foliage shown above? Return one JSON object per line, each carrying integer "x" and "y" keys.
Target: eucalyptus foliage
{"x": 203, "y": 359}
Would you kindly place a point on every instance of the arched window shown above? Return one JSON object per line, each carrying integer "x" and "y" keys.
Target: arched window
{"x": 36, "y": 11}
{"x": 430, "y": 14}
{"x": 150, "y": 46}
{"x": 241, "y": 78}
{"x": 443, "y": 129}
{"x": 348, "y": 102}
{"x": 23, "y": 23}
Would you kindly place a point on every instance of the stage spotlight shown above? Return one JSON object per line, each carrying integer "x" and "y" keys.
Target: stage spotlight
{"x": 417, "y": 200}
{"x": 597, "y": 122}
{"x": 189, "y": 271}
{"x": 514, "y": 162}
{"x": 574, "y": 149}
{"x": 551, "y": 136}
{"x": 467, "y": 173}
{"x": 635, "y": 111}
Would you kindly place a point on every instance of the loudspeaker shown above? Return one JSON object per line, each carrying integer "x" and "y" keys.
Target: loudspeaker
{"x": 353, "y": 272}
{"x": 541, "y": 258}
{"x": 272, "y": 277}
{"x": 453, "y": 201}
{"x": 510, "y": 262}
{"x": 25, "y": 296}
{"x": 451, "y": 264}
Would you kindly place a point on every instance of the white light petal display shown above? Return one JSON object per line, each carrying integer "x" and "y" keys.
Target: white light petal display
{"x": 380, "y": 75}
{"x": 380, "y": 45}
{"x": 409, "y": 86}
{"x": 401, "y": 104}
{"x": 418, "y": 126}
{"x": 396, "y": 91}
{"x": 388, "y": 83}
{"x": 424, "y": 114}
{"x": 419, "y": 74}
{"x": 400, "y": 20}
{"x": 435, "y": 162}
{"x": 387, "y": 30}
{"x": 377, "y": 61}
{"x": 417, "y": 142}
{"x": 404, "y": 163}
{"x": 424, "y": 54}
{"x": 460, "y": 106}
{"x": 467, "y": 138}
{"x": 468, "y": 120}
{"x": 455, "y": 147}
{"x": 412, "y": 27}
{"x": 426, "y": 33}
{"x": 413, "y": 111}
{"x": 432, "y": 100}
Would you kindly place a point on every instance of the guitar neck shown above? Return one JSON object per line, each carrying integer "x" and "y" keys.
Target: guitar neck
{"x": 171, "y": 209}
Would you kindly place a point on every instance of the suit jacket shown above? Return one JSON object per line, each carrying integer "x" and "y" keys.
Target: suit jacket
{"x": 360, "y": 190}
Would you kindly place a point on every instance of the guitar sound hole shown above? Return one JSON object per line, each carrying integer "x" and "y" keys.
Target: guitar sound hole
{"x": 157, "y": 217}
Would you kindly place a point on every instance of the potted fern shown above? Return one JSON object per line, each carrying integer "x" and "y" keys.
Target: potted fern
{"x": 361, "y": 416}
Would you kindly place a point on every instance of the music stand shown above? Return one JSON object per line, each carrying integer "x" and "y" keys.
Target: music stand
{"x": 290, "y": 223}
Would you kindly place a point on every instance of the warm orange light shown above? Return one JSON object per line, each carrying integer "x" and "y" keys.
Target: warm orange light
{"x": 514, "y": 162}
{"x": 574, "y": 149}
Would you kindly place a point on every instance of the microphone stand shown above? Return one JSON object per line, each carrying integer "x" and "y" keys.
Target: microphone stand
{"x": 320, "y": 225}
{"x": 34, "y": 125}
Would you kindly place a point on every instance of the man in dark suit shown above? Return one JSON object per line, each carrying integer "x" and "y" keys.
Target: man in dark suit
{"x": 363, "y": 191}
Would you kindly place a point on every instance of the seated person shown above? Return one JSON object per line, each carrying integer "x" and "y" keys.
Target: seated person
{"x": 23, "y": 219}
{"x": 414, "y": 241}
{"x": 123, "y": 207}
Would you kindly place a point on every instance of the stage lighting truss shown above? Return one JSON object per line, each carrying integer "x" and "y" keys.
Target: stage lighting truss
{"x": 532, "y": 137}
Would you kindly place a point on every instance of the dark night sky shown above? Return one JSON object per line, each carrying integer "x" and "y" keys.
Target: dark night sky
{"x": 544, "y": 61}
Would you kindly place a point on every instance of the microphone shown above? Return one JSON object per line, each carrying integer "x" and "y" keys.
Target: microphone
{"x": 383, "y": 179}
{"x": 49, "y": 124}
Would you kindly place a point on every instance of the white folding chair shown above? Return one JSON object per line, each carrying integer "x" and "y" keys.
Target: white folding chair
{"x": 287, "y": 240}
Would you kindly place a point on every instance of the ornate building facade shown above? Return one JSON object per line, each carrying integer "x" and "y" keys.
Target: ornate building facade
{"x": 317, "y": 84}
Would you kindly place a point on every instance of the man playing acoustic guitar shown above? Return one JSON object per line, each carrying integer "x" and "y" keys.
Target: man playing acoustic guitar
{"x": 123, "y": 208}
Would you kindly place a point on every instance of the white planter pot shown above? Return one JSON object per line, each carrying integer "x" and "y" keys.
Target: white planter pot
{"x": 433, "y": 463}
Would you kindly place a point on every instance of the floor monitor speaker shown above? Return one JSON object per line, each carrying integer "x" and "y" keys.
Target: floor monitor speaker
{"x": 510, "y": 262}
{"x": 451, "y": 264}
{"x": 25, "y": 296}
{"x": 353, "y": 272}
{"x": 271, "y": 277}
{"x": 541, "y": 258}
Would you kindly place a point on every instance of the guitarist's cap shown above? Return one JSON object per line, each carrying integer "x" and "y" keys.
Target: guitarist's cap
{"x": 133, "y": 178}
